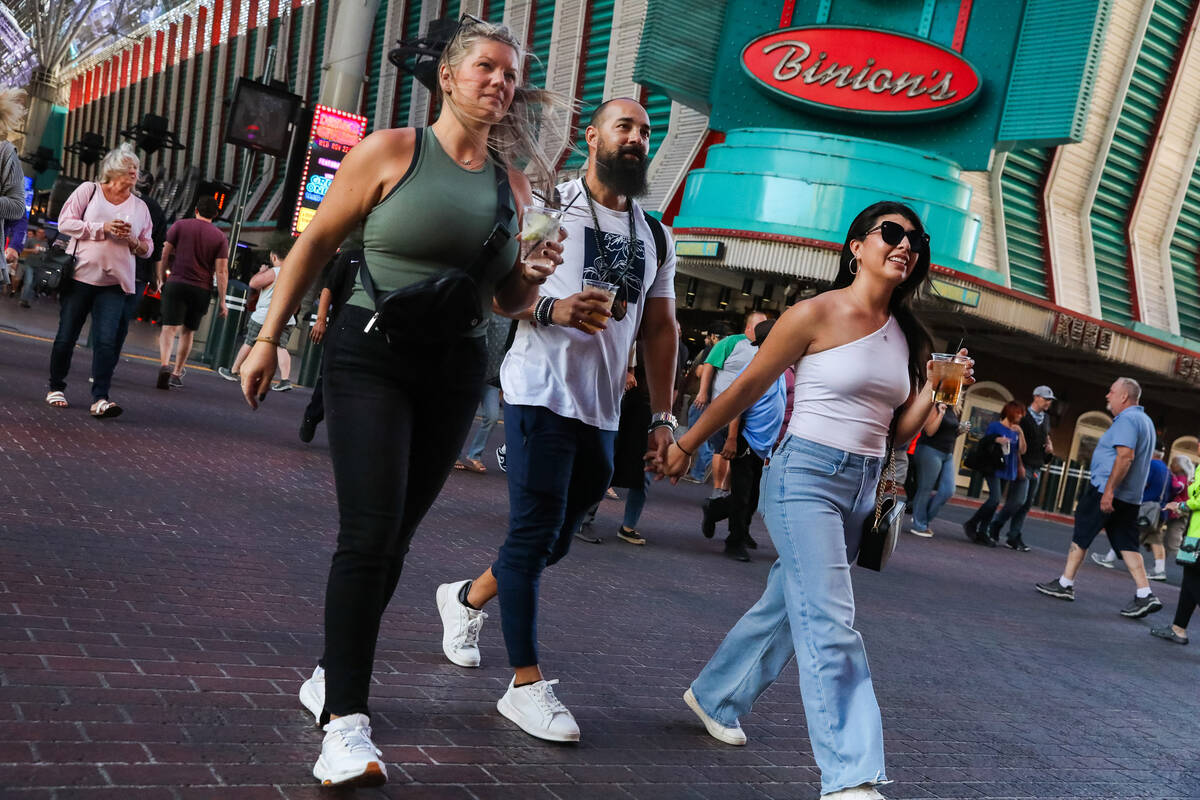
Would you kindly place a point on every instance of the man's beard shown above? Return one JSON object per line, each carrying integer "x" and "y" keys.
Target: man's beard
{"x": 624, "y": 176}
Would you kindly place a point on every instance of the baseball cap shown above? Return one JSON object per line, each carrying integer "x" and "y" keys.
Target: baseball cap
{"x": 1044, "y": 391}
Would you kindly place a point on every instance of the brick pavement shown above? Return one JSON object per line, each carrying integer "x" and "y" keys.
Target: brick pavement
{"x": 161, "y": 584}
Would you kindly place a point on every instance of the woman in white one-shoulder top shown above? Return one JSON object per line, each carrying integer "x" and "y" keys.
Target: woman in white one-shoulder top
{"x": 860, "y": 354}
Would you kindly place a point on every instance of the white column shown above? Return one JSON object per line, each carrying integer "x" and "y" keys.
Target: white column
{"x": 348, "y": 33}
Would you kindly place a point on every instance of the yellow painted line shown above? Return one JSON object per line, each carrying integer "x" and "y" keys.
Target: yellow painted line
{"x": 151, "y": 359}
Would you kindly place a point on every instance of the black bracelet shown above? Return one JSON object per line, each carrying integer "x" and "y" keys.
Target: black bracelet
{"x": 543, "y": 311}
{"x": 677, "y": 444}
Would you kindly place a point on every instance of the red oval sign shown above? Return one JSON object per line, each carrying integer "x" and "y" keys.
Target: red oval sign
{"x": 856, "y": 71}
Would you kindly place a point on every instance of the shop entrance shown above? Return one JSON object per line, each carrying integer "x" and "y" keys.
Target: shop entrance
{"x": 1072, "y": 476}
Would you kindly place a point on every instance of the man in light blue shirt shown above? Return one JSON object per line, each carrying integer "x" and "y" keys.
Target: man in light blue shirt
{"x": 1119, "y": 468}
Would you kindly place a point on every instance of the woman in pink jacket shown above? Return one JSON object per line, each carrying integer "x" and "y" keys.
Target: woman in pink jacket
{"x": 109, "y": 227}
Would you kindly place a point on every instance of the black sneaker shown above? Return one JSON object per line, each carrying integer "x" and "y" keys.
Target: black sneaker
{"x": 176, "y": 381}
{"x": 502, "y": 457}
{"x": 970, "y": 530}
{"x": 1055, "y": 589}
{"x": 282, "y": 386}
{"x": 584, "y": 534}
{"x": 308, "y": 429}
{"x": 1141, "y": 606}
{"x": 737, "y": 552}
{"x": 1018, "y": 545}
{"x": 630, "y": 535}
{"x": 753, "y": 545}
{"x": 708, "y": 525}
{"x": 164, "y": 378}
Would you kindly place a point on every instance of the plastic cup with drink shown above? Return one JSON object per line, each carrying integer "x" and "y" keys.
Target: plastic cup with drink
{"x": 609, "y": 289}
{"x": 947, "y": 375}
{"x": 538, "y": 224}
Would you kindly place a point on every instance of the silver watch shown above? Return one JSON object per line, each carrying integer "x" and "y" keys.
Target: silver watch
{"x": 663, "y": 419}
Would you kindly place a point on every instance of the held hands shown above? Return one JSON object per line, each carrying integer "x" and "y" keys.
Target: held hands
{"x": 583, "y": 310}
{"x": 674, "y": 465}
{"x": 257, "y": 371}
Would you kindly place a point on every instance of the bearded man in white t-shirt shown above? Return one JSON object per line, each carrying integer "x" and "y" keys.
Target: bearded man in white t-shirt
{"x": 562, "y": 380}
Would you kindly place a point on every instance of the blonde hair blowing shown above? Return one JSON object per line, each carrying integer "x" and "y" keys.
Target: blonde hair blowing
{"x": 513, "y": 140}
{"x": 12, "y": 110}
{"x": 119, "y": 160}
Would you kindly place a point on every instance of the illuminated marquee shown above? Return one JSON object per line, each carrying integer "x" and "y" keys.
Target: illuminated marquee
{"x": 333, "y": 133}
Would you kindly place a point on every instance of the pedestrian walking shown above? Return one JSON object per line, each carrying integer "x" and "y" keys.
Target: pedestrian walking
{"x": 935, "y": 467}
{"x": 859, "y": 353}
{"x": 1039, "y": 449}
{"x": 1150, "y": 522}
{"x": 702, "y": 464}
{"x": 399, "y": 401}
{"x": 1003, "y": 483}
{"x": 750, "y": 439}
{"x": 563, "y": 380}
{"x": 109, "y": 226}
{"x": 337, "y": 281}
{"x": 1189, "y": 589}
{"x": 194, "y": 252}
{"x": 12, "y": 177}
{"x": 264, "y": 282}
{"x": 1119, "y": 466}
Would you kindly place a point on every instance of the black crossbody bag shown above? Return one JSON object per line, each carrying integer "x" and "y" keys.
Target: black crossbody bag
{"x": 881, "y": 530}
{"x": 57, "y": 266}
{"x": 446, "y": 306}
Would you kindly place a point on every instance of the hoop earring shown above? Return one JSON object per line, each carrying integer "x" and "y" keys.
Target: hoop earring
{"x": 854, "y": 263}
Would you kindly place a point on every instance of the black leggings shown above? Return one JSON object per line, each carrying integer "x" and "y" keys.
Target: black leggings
{"x": 1189, "y": 596}
{"x": 396, "y": 424}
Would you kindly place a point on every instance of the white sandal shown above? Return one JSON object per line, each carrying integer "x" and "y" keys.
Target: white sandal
{"x": 104, "y": 409}
{"x": 56, "y": 399}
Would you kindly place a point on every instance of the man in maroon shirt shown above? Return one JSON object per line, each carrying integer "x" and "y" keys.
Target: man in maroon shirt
{"x": 200, "y": 250}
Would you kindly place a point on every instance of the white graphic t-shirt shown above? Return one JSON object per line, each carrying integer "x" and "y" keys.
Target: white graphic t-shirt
{"x": 566, "y": 370}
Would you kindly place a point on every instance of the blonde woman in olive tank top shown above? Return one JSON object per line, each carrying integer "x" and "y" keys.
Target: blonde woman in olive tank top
{"x": 859, "y": 354}
{"x": 398, "y": 411}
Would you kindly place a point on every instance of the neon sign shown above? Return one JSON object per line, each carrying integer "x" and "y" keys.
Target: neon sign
{"x": 333, "y": 133}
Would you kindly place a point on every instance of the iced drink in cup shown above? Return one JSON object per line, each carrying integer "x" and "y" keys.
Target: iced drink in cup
{"x": 538, "y": 224}
{"x": 609, "y": 289}
{"x": 947, "y": 375}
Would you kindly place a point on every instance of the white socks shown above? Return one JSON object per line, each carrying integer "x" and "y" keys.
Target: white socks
{"x": 1065, "y": 582}
{"x": 1160, "y": 565}
{"x": 1143, "y": 592}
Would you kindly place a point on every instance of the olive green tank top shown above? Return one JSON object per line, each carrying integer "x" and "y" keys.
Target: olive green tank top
{"x": 436, "y": 218}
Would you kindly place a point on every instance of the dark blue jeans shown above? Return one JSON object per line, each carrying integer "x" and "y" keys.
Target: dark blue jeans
{"x": 557, "y": 468}
{"x": 1034, "y": 477}
{"x": 106, "y": 306}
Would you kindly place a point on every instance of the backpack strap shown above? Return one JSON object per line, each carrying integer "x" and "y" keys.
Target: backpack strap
{"x": 660, "y": 237}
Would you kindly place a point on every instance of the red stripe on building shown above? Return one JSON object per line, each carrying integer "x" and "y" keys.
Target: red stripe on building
{"x": 147, "y": 46}
{"x": 217, "y": 10}
{"x": 158, "y": 52}
{"x": 124, "y": 68}
{"x": 252, "y": 16}
{"x": 172, "y": 41}
{"x": 960, "y": 27}
{"x": 135, "y": 70}
{"x": 235, "y": 11}
{"x": 273, "y": 10}
{"x": 185, "y": 38}
{"x": 785, "y": 16}
{"x": 201, "y": 22}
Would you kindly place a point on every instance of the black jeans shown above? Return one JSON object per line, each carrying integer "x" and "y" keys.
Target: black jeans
{"x": 1189, "y": 596}
{"x": 745, "y": 474}
{"x": 396, "y": 423}
{"x": 106, "y": 306}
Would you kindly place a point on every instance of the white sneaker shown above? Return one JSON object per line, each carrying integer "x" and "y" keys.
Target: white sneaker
{"x": 460, "y": 626}
{"x": 312, "y": 694}
{"x": 1101, "y": 561}
{"x": 733, "y": 735}
{"x": 864, "y": 792}
{"x": 1156, "y": 576}
{"x": 924, "y": 533}
{"x": 536, "y": 710}
{"x": 348, "y": 756}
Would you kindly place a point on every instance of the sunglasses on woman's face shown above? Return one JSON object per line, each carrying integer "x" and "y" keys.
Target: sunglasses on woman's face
{"x": 893, "y": 232}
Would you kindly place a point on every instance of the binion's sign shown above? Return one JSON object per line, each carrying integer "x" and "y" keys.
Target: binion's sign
{"x": 859, "y": 72}
{"x": 333, "y": 133}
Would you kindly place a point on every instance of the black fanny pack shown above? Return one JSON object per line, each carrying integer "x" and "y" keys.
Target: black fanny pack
{"x": 445, "y": 306}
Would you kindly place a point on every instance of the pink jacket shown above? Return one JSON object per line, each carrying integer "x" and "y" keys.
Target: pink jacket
{"x": 101, "y": 261}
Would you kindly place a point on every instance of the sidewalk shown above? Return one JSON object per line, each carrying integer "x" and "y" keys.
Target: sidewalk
{"x": 161, "y": 591}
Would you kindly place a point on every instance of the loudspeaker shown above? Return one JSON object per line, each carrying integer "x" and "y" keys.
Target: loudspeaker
{"x": 261, "y": 117}
{"x": 63, "y": 186}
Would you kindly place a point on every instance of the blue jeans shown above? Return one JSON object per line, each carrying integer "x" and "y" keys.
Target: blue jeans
{"x": 815, "y": 499}
{"x": 489, "y": 408}
{"x": 106, "y": 306}
{"x": 1034, "y": 477}
{"x": 635, "y": 501}
{"x": 935, "y": 471}
{"x": 704, "y": 452}
{"x": 557, "y": 468}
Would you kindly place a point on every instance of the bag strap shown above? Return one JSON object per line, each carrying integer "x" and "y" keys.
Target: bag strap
{"x": 888, "y": 477}
{"x": 86, "y": 206}
{"x": 492, "y": 246}
{"x": 660, "y": 237}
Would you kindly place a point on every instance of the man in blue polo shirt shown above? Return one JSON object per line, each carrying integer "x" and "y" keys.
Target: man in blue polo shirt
{"x": 1119, "y": 468}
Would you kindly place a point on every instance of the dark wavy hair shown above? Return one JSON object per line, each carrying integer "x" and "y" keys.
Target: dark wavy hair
{"x": 920, "y": 342}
